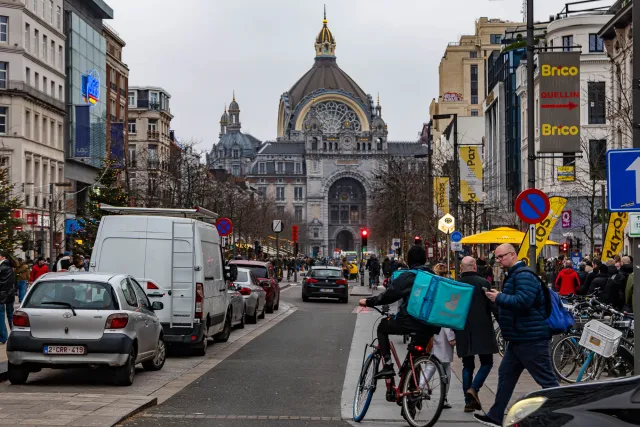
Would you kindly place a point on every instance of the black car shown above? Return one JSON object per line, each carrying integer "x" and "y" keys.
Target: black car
{"x": 601, "y": 404}
{"x": 325, "y": 282}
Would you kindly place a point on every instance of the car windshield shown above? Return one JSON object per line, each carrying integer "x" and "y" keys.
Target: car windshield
{"x": 80, "y": 295}
{"x": 326, "y": 272}
{"x": 259, "y": 271}
{"x": 243, "y": 277}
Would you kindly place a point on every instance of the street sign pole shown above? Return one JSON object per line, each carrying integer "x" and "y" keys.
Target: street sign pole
{"x": 448, "y": 251}
{"x": 531, "y": 148}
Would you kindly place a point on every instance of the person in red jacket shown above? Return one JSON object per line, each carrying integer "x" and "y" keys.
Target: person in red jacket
{"x": 567, "y": 281}
{"x": 38, "y": 269}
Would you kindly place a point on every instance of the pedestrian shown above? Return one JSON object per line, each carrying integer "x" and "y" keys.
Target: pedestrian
{"x": 630, "y": 304}
{"x": 87, "y": 263}
{"x": 582, "y": 274}
{"x": 522, "y": 319}
{"x": 39, "y": 268}
{"x": 443, "y": 344}
{"x": 567, "y": 281}
{"x": 477, "y": 338}
{"x": 345, "y": 268}
{"x": 441, "y": 270}
{"x": 600, "y": 280}
{"x": 22, "y": 278}
{"x": 588, "y": 266}
{"x": 7, "y": 294}
{"x": 77, "y": 265}
{"x": 614, "y": 291}
{"x": 584, "y": 290}
{"x": 386, "y": 267}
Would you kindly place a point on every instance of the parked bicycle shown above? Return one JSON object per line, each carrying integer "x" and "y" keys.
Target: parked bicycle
{"x": 422, "y": 382}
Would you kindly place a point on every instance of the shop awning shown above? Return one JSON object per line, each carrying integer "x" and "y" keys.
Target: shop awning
{"x": 498, "y": 236}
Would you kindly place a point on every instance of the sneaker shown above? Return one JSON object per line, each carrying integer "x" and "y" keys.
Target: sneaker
{"x": 446, "y": 405}
{"x": 475, "y": 400}
{"x": 484, "y": 419}
{"x": 387, "y": 372}
{"x": 468, "y": 408}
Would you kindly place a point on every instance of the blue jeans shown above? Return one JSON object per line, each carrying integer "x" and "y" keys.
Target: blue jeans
{"x": 469, "y": 366}
{"x": 8, "y": 309}
{"x": 22, "y": 289}
{"x": 535, "y": 358}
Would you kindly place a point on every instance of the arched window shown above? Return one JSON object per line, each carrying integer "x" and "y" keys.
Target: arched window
{"x": 314, "y": 143}
{"x": 369, "y": 146}
{"x": 324, "y": 146}
{"x": 358, "y": 146}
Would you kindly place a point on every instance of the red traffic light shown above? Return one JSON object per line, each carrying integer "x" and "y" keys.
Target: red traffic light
{"x": 364, "y": 232}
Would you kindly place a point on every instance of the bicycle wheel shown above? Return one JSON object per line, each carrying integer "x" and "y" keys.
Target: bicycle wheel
{"x": 500, "y": 341}
{"x": 567, "y": 358}
{"x": 423, "y": 405}
{"x": 365, "y": 387}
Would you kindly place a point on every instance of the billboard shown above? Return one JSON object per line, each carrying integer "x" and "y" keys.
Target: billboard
{"x": 441, "y": 194}
{"x": 471, "y": 173}
{"x": 117, "y": 144}
{"x": 91, "y": 87}
{"x": 559, "y": 102}
{"x": 83, "y": 131}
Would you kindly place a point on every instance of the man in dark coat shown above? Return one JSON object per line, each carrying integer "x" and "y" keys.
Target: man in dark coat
{"x": 523, "y": 323}
{"x": 477, "y": 338}
{"x": 615, "y": 288}
{"x": 599, "y": 281}
{"x": 7, "y": 294}
{"x": 402, "y": 323}
{"x": 584, "y": 288}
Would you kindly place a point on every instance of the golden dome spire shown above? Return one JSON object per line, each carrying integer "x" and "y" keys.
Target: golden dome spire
{"x": 324, "y": 21}
{"x": 234, "y": 95}
{"x": 325, "y": 42}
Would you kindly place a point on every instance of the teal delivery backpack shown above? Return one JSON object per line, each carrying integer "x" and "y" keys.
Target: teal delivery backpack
{"x": 438, "y": 301}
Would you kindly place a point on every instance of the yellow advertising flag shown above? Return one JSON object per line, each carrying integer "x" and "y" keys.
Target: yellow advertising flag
{"x": 543, "y": 229}
{"x": 471, "y": 174}
{"x": 615, "y": 235}
{"x": 441, "y": 194}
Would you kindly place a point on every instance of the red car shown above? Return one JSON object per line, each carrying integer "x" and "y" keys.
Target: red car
{"x": 266, "y": 275}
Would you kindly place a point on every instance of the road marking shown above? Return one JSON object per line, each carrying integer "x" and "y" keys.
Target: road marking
{"x": 242, "y": 417}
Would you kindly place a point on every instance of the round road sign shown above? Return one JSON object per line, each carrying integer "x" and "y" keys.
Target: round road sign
{"x": 456, "y": 236}
{"x": 532, "y": 206}
{"x": 224, "y": 226}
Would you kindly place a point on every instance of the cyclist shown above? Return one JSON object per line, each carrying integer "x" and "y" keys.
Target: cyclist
{"x": 374, "y": 270}
{"x": 401, "y": 323}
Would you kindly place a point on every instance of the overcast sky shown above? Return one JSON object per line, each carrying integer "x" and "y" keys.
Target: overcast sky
{"x": 201, "y": 50}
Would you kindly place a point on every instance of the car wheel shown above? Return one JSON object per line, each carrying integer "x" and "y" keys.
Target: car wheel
{"x": 305, "y": 298}
{"x": 124, "y": 375}
{"x": 270, "y": 306}
{"x": 277, "y": 306}
{"x": 244, "y": 314}
{"x": 264, "y": 309}
{"x": 17, "y": 374}
{"x": 226, "y": 330}
{"x": 159, "y": 357}
{"x": 253, "y": 319}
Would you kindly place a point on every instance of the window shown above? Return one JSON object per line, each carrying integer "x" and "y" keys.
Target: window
{"x": 34, "y": 5}
{"x": 236, "y": 170}
{"x": 568, "y": 159}
{"x": 27, "y": 73}
{"x": 280, "y": 211}
{"x": 52, "y": 133}
{"x": 60, "y": 63}
{"x": 297, "y": 193}
{"x": 3, "y": 120}
{"x": 235, "y": 153}
{"x": 153, "y": 100}
{"x": 474, "y": 84}
{"x": 36, "y": 127}
{"x": 474, "y": 113}
{"x": 344, "y": 214}
{"x": 567, "y": 43}
{"x": 132, "y": 155}
{"x": 27, "y": 124}
{"x": 596, "y": 44}
{"x": 27, "y": 37}
{"x": 280, "y": 181}
{"x": 473, "y": 54}
{"x": 132, "y": 99}
{"x": 36, "y": 79}
{"x": 36, "y": 42}
{"x": 495, "y": 38}
{"x": 51, "y": 12}
{"x": 132, "y": 126}
{"x": 59, "y": 18}
{"x": 316, "y": 233}
{"x": 153, "y": 125}
{"x": 314, "y": 144}
{"x": 53, "y": 89}
{"x": 129, "y": 293}
{"x": 298, "y": 168}
{"x": 4, "y": 67}
{"x": 297, "y": 214}
{"x": 597, "y": 159}
{"x": 42, "y": 8}
{"x": 596, "y": 102}
{"x": 44, "y": 47}
{"x": 44, "y": 130}
{"x": 60, "y": 94}
{"x": 4, "y": 26}
{"x": 335, "y": 210}
{"x": 60, "y": 136}
{"x": 52, "y": 53}
{"x": 280, "y": 193}
{"x": 279, "y": 167}
{"x": 45, "y": 87}
{"x": 262, "y": 168}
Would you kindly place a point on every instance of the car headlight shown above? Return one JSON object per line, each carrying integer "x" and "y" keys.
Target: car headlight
{"x": 522, "y": 409}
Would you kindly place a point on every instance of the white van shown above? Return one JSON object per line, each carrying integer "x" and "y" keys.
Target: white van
{"x": 178, "y": 261}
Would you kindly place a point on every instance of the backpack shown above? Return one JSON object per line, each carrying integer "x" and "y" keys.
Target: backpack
{"x": 558, "y": 318}
{"x": 438, "y": 301}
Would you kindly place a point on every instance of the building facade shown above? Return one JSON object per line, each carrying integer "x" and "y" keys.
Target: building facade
{"x": 32, "y": 113}
{"x": 331, "y": 137}
{"x": 117, "y": 74}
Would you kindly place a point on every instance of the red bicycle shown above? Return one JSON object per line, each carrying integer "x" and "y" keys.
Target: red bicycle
{"x": 422, "y": 382}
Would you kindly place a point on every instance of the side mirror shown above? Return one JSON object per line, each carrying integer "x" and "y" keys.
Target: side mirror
{"x": 230, "y": 272}
{"x": 266, "y": 283}
{"x": 157, "y": 306}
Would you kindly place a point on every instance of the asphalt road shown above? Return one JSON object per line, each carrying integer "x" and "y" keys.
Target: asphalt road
{"x": 292, "y": 375}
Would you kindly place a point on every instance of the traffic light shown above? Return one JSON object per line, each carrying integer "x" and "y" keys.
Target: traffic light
{"x": 564, "y": 247}
{"x": 417, "y": 240}
{"x": 364, "y": 234}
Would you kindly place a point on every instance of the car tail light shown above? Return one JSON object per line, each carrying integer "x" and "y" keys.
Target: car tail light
{"x": 312, "y": 281}
{"x": 117, "y": 321}
{"x": 245, "y": 291}
{"x": 151, "y": 285}
{"x": 20, "y": 318}
{"x": 341, "y": 282}
{"x": 199, "y": 300}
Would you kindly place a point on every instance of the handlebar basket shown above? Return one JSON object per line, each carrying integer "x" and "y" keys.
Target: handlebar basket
{"x": 600, "y": 338}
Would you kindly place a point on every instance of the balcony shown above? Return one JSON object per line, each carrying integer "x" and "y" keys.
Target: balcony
{"x": 113, "y": 86}
{"x": 154, "y": 106}
{"x": 153, "y": 135}
{"x": 22, "y": 87}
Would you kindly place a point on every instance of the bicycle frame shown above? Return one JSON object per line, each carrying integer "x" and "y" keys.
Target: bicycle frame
{"x": 390, "y": 382}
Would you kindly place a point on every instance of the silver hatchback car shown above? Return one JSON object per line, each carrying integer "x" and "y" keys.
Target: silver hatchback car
{"x": 85, "y": 319}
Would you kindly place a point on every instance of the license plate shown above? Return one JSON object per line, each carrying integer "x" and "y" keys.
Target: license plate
{"x": 63, "y": 349}
{"x": 326, "y": 290}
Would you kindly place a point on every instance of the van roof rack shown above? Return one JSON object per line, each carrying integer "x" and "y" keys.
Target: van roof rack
{"x": 195, "y": 213}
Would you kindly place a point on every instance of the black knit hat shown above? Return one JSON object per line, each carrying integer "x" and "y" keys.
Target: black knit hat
{"x": 416, "y": 256}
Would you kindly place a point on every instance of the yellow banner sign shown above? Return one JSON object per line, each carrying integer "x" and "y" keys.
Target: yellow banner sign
{"x": 615, "y": 235}
{"x": 471, "y": 174}
{"x": 566, "y": 173}
{"x": 441, "y": 194}
{"x": 543, "y": 230}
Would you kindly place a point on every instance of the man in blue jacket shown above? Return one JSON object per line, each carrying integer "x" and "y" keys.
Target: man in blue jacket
{"x": 522, "y": 319}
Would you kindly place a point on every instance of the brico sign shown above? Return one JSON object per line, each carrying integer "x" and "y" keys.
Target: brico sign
{"x": 559, "y": 102}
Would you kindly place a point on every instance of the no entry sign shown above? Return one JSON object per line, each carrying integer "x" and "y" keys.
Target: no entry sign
{"x": 224, "y": 226}
{"x": 532, "y": 206}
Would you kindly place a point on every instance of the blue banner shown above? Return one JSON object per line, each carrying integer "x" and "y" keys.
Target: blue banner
{"x": 72, "y": 226}
{"x": 83, "y": 131}
{"x": 117, "y": 144}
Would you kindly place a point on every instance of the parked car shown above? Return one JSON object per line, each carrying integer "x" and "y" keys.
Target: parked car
{"x": 86, "y": 319}
{"x": 237, "y": 306}
{"x": 178, "y": 261}
{"x": 325, "y": 282}
{"x": 601, "y": 403}
{"x": 255, "y": 297}
{"x": 266, "y": 275}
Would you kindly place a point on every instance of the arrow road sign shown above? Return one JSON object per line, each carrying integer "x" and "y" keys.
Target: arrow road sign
{"x": 623, "y": 180}
{"x": 456, "y": 236}
{"x": 532, "y": 206}
{"x": 570, "y": 106}
{"x": 276, "y": 225}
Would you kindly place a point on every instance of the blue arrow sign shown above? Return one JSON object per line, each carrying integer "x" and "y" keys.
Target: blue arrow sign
{"x": 623, "y": 180}
{"x": 456, "y": 236}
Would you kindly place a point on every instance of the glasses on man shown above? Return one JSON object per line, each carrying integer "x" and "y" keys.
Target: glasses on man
{"x": 499, "y": 257}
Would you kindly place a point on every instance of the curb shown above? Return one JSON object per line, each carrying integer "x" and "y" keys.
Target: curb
{"x": 361, "y": 291}
{"x": 151, "y": 403}
{"x": 4, "y": 369}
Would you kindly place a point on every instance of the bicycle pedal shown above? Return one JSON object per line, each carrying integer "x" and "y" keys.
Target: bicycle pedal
{"x": 390, "y": 396}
